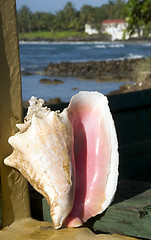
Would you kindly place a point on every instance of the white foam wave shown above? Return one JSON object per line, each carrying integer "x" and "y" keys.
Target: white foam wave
{"x": 100, "y": 46}
{"x": 116, "y": 45}
{"x": 147, "y": 44}
{"x": 130, "y": 56}
{"x": 134, "y": 56}
{"x": 34, "y": 42}
{"x": 81, "y": 42}
{"x": 85, "y": 48}
{"x": 64, "y": 42}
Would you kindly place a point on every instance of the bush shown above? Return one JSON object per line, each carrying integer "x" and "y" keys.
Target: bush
{"x": 142, "y": 71}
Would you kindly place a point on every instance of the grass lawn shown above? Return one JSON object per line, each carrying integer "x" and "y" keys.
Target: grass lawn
{"x": 51, "y": 35}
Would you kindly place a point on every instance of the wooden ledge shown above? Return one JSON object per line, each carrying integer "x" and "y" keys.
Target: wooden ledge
{"x": 31, "y": 229}
{"x": 128, "y": 215}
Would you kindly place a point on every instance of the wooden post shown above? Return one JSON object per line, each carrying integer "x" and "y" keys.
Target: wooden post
{"x": 15, "y": 200}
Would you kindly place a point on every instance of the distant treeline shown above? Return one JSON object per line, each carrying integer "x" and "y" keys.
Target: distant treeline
{"x": 69, "y": 18}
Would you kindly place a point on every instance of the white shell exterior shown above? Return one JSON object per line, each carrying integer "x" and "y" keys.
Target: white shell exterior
{"x": 43, "y": 154}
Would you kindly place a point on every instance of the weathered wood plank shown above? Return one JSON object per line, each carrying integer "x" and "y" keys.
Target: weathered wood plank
{"x": 14, "y": 192}
{"x": 130, "y": 213}
{"x": 46, "y": 211}
{"x": 135, "y": 161}
{"x": 132, "y": 116}
{"x": 0, "y": 207}
{"x": 126, "y": 101}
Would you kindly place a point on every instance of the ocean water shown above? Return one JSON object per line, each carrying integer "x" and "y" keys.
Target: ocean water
{"x": 35, "y": 56}
{"x": 32, "y": 87}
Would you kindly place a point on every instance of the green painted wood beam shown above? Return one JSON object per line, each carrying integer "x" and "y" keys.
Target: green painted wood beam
{"x": 129, "y": 214}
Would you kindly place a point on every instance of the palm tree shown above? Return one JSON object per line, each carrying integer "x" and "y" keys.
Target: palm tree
{"x": 69, "y": 11}
{"x": 87, "y": 14}
{"x": 24, "y": 19}
{"x": 60, "y": 20}
{"x": 36, "y": 21}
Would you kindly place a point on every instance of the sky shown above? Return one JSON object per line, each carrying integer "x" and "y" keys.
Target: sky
{"x": 55, "y": 5}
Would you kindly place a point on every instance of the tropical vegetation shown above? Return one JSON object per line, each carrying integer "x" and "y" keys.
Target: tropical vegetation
{"x": 138, "y": 16}
{"x": 136, "y": 12}
{"x": 45, "y": 35}
{"x": 69, "y": 18}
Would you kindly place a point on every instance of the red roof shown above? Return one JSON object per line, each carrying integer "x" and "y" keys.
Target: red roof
{"x": 113, "y": 21}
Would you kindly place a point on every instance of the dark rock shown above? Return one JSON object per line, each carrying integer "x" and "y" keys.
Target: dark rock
{"x": 56, "y": 81}
{"x": 118, "y": 70}
{"x": 53, "y": 101}
{"x": 45, "y": 81}
{"x": 75, "y": 88}
{"x": 23, "y": 73}
{"x": 25, "y": 104}
{"x": 49, "y": 81}
{"x": 138, "y": 85}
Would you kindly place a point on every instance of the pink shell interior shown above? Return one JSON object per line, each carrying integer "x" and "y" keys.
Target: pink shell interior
{"x": 92, "y": 150}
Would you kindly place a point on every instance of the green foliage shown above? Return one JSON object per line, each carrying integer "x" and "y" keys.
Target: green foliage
{"x": 24, "y": 19}
{"x": 146, "y": 11}
{"x": 66, "y": 18}
{"x": 136, "y": 12}
{"x": 87, "y": 14}
{"x": 138, "y": 15}
{"x": 69, "y": 18}
{"x": 50, "y": 35}
{"x": 142, "y": 71}
{"x": 147, "y": 29}
{"x": 144, "y": 66}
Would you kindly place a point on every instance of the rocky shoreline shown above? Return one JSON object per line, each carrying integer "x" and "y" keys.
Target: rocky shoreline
{"x": 114, "y": 70}
{"x": 137, "y": 85}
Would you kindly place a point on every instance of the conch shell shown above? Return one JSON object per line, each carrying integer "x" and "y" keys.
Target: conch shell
{"x": 43, "y": 153}
{"x": 71, "y": 158}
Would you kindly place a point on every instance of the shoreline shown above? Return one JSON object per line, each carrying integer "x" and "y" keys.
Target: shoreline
{"x": 99, "y": 37}
{"x": 89, "y": 38}
{"x": 102, "y": 71}
{"x": 111, "y": 70}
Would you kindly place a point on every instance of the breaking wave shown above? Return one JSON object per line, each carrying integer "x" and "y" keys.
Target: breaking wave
{"x": 100, "y": 46}
{"x": 116, "y": 45}
{"x": 134, "y": 56}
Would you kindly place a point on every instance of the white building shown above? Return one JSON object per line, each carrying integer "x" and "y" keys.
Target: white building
{"x": 115, "y": 28}
{"x": 90, "y": 30}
